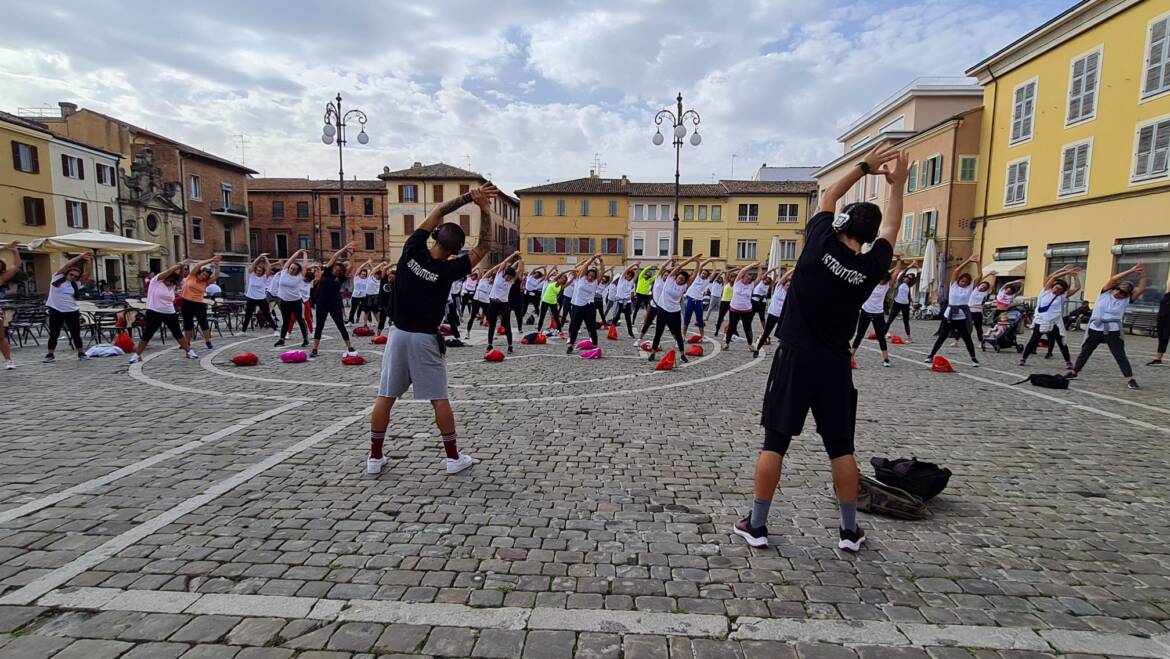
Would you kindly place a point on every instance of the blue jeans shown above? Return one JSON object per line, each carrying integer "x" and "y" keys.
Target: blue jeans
{"x": 694, "y": 307}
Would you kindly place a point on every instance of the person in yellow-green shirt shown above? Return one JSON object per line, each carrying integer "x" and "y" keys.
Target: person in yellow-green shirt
{"x": 550, "y": 297}
{"x": 724, "y": 300}
{"x": 642, "y": 294}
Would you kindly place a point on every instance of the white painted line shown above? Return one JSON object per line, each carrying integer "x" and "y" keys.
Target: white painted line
{"x": 56, "y": 578}
{"x": 135, "y": 372}
{"x": 420, "y": 613}
{"x": 970, "y": 636}
{"x": 94, "y": 483}
{"x": 629, "y": 622}
{"x": 1115, "y": 645}
{"x": 252, "y": 605}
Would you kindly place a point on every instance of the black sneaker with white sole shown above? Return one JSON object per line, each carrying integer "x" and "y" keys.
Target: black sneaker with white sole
{"x": 851, "y": 541}
{"x": 1132, "y": 384}
{"x": 756, "y": 536}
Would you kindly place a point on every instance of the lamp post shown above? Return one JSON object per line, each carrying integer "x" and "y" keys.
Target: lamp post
{"x": 677, "y": 121}
{"x": 334, "y": 129}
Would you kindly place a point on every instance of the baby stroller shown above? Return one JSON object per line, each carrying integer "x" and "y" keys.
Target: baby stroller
{"x": 1010, "y": 338}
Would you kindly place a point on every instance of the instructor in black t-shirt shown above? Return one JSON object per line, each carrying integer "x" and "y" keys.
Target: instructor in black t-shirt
{"x": 810, "y": 370}
{"x": 414, "y": 355}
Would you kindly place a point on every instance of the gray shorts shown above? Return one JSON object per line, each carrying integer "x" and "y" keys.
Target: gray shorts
{"x": 412, "y": 358}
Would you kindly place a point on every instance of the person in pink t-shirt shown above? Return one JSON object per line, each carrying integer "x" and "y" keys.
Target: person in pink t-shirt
{"x": 160, "y": 310}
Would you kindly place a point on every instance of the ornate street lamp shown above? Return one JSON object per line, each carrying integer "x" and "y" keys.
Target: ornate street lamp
{"x": 334, "y": 130}
{"x": 677, "y": 121}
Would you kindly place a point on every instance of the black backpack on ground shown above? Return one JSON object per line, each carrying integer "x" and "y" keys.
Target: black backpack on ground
{"x": 921, "y": 479}
{"x": 877, "y": 498}
{"x": 1046, "y": 380}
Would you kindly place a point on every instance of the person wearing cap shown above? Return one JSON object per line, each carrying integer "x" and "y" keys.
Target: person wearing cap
{"x": 1105, "y": 323}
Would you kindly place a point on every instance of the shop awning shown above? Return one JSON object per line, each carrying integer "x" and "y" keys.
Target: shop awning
{"x": 1006, "y": 268}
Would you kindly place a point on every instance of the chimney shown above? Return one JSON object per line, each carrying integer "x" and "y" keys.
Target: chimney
{"x": 624, "y": 179}
{"x": 67, "y": 108}
{"x": 764, "y": 165}
{"x": 417, "y": 164}
{"x": 592, "y": 173}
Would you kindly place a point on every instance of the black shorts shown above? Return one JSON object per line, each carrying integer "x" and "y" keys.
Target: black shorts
{"x": 801, "y": 381}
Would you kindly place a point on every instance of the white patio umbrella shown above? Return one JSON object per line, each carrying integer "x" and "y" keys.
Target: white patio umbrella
{"x": 929, "y": 269}
{"x": 98, "y": 241}
{"x": 774, "y": 253}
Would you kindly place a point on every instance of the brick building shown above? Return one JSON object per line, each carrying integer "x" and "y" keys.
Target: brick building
{"x": 288, "y": 214}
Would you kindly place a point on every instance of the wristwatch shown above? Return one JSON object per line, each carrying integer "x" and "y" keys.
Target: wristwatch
{"x": 864, "y": 167}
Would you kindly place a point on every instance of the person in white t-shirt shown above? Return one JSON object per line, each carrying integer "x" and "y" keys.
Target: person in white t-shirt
{"x": 64, "y": 311}
{"x": 499, "y": 306}
{"x": 1049, "y": 317}
{"x": 256, "y": 283}
{"x": 623, "y": 296}
{"x": 901, "y": 304}
{"x": 715, "y": 296}
{"x": 7, "y": 272}
{"x": 674, "y": 288}
{"x": 481, "y": 298}
{"x": 655, "y": 289}
{"x": 740, "y": 307}
{"x": 533, "y": 285}
{"x": 956, "y": 316}
{"x": 583, "y": 308}
{"x": 776, "y": 308}
{"x": 696, "y": 291}
{"x": 213, "y": 291}
{"x": 469, "y": 284}
{"x": 975, "y": 303}
{"x": 1105, "y": 323}
{"x": 873, "y": 310}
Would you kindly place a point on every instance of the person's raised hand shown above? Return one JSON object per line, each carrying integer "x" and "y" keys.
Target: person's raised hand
{"x": 897, "y": 173}
{"x": 483, "y": 195}
{"x": 87, "y": 256}
{"x": 217, "y": 259}
{"x": 880, "y": 154}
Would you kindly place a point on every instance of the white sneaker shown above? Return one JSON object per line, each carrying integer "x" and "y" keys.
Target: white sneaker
{"x": 191, "y": 355}
{"x": 276, "y": 334}
{"x": 637, "y": 344}
{"x": 9, "y": 365}
{"x": 463, "y": 462}
{"x": 737, "y": 338}
{"x": 374, "y": 465}
{"x": 351, "y": 353}
{"x": 133, "y": 358}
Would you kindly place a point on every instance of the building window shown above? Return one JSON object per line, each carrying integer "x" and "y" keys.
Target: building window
{"x": 787, "y": 212}
{"x": 716, "y": 213}
{"x": 227, "y": 240}
{"x": 281, "y": 246}
{"x": 1063, "y": 255}
{"x": 912, "y": 177}
{"x": 1074, "y": 168}
{"x": 560, "y": 245}
{"x": 538, "y": 207}
{"x": 967, "y": 167}
{"x": 251, "y": 212}
{"x": 225, "y": 193}
{"x": 253, "y": 242}
{"x": 652, "y": 213}
{"x": 1153, "y": 150}
{"x": 407, "y": 193}
{"x": 194, "y": 188}
{"x": 34, "y": 211}
{"x": 368, "y": 236}
{"x": 302, "y": 210}
{"x": 334, "y": 206}
{"x": 408, "y": 224}
{"x": 112, "y": 227}
{"x": 688, "y": 247}
{"x": 76, "y": 214}
{"x": 1150, "y": 250}
{"x": 584, "y": 208}
{"x": 613, "y": 208}
{"x": 749, "y": 212}
{"x": 368, "y": 205}
{"x": 1157, "y": 65}
{"x": 24, "y": 158}
{"x": 278, "y": 210}
{"x": 72, "y": 167}
{"x": 105, "y": 174}
{"x": 1016, "y": 189}
{"x": 787, "y": 250}
{"x": 334, "y": 240}
{"x": 465, "y": 223}
{"x": 688, "y": 212}
{"x": 931, "y": 172}
{"x": 612, "y": 246}
{"x": 908, "y": 227}
{"x": 303, "y": 242}
{"x": 639, "y": 243}
{"x": 664, "y": 212}
{"x": 928, "y": 224}
{"x": 582, "y": 245}
{"x": 197, "y": 230}
{"x": 663, "y": 244}
{"x": 560, "y": 207}
{"x": 702, "y": 213}
{"x": 437, "y": 192}
{"x": 1082, "y": 87}
{"x": 1023, "y": 111}
{"x": 745, "y": 250}
{"x": 714, "y": 248}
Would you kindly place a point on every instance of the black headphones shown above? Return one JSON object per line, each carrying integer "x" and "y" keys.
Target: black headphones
{"x": 844, "y": 219}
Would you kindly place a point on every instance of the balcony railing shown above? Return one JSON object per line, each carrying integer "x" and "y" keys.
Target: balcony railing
{"x": 230, "y": 212}
{"x": 912, "y": 248}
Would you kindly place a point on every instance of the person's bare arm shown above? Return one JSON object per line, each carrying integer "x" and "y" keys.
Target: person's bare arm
{"x": 172, "y": 270}
{"x": 338, "y": 254}
{"x": 87, "y": 269}
{"x": 1074, "y": 281}
{"x": 69, "y": 264}
{"x": 482, "y": 197}
{"x": 293, "y": 259}
{"x": 879, "y": 154}
{"x": 1142, "y": 282}
{"x": 263, "y": 257}
{"x": 215, "y": 269}
{"x": 10, "y": 272}
{"x": 435, "y": 218}
{"x": 974, "y": 258}
{"x": 787, "y": 276}
{"x": 895, "y": 171}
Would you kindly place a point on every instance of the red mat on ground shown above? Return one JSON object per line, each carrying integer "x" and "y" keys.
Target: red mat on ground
{"x": 941, "y": 365}
{"x": 666, "y": 363}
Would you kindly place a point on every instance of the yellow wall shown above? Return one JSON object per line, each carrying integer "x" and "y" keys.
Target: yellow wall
{"x": 1122, "y": 39}
{"x": 702, "y": 232}
{"x": 597, "y": 225}
{"x": 765, "y": 228}
{"x": 16, "y": 185}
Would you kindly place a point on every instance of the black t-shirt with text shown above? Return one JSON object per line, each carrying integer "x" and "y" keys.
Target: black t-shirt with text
{"x": 329, "y": 289}
{"x": 423, "y": 285}
{"x": 829, "y": 286}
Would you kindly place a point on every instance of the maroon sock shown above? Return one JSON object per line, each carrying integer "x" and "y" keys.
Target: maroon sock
{"x": 376, "y": 439}
{"x": 450, "y": 446}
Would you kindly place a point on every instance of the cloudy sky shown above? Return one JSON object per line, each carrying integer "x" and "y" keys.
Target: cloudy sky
{"x": 530, "y": 90}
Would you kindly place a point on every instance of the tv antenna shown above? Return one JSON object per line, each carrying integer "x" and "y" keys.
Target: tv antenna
{"x": 242, "y": 145}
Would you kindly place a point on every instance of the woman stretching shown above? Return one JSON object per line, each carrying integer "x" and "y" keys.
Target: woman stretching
{"x": 1105, "y": 323}
{"x": 725, "y": 298}
{"x": 583, "y": 308}
{"x": 901, "y": 305}
{"x": 160, "y": 310}
{"x": 7, "y": 273}
{"x": 655, "y": 289}
{"x": 955, "y": 316}
{"x": 62, "y": 304}
{"x": 1163, "y": 326}
{"x": 1049, "y": 318}
{"x": 550, "y": 298}
{"x": 669, "y": 300}
{"x": 499, "y": 308}
{"x": 255, "y": 290}
{"x": 694, "y": 300}
{"x": 760, "y": 297}
{"x": 481, "y": 299}
{"x": 623, "y": 297}
{"x": 776, "y": 307}
{"x": 194, "y": 310}
{"x": 329, "y": 282}
{"x": 288, "y": 283}
{"x": 386, "y": 301}
{"x": 975, "y": 303}
{"x": 873, "y": 311}
{"x": 469, "y": 284}
{"x": 741, "y": 306}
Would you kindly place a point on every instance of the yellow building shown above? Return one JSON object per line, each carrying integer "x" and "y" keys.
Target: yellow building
{"x": 764, "y": 215}
{"x": 565, "y": 222}
{"x": 1074, "y": 146}
{"x": 26, "y": 194}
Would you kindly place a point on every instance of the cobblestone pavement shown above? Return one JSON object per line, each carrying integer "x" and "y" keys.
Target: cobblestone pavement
{"x": 191, "y": 509}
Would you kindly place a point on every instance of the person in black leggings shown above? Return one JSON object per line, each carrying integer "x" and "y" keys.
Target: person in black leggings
{"x": 516, "y": 298}
{"x": 386, "y": 302}
{"x": 901, "y": 303}
{"x": 255, "y": 291}
{"x": 62, "y": 304}
{"x": 1106, "y": 321}
{"x": 288, "y": 289}
{"x": 330, "y": 280}
{"x": 1163, "y": 328}
{"x": 161, "y": 296}
{"x": 956, "y": 313}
